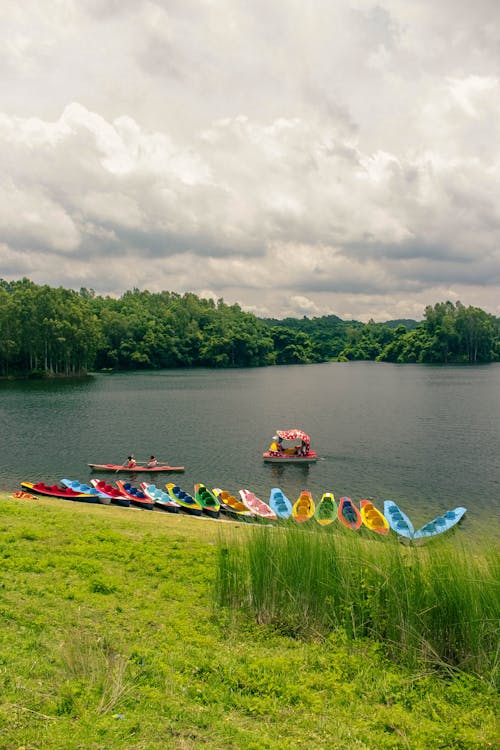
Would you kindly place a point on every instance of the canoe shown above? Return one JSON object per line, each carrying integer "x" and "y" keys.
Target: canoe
{"x": 209, "y": 503}
{"x": 160, "y": 498}
{"x": 303, "y": 508}
{"x": 372, "y": 518}
{"x": 440, "y": 523}
{"x": 187, "y": 502}
{"x": 53, "y": 490}
{"x": 257, "y": 506}
{"x": 231, "y": 506}
{"x": 398, "y": 521}
{"x": 279, "y": 503}
{"x": 116, "y": 497}
{"x": 348, "y": 514}
{"x": 135, "y": 470}
{"x": 86, "y": 489}
{"x": 326, "y": 510}
{"x": 135, "y": 495}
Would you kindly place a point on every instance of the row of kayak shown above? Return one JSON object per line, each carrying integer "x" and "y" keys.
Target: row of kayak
{"x": 213, "y": 502}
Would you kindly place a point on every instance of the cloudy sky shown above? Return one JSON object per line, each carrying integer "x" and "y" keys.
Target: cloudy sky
{"x": 300, "y": 158}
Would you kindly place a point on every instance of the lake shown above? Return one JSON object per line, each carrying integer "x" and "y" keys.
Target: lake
{"x": 426, "y": 437}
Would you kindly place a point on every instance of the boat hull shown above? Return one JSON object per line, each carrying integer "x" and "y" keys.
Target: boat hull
{"x": 186, "y": 501}
{"x": 161, "y": 499}
{"x": 257, "y": 506}
{"x": 348, "y": 514}
{"x": 326, "y": 510}
{"x": 136, "y": 497}
{"x": 303, "y": 509}
{"x": 398, "y": 521}
{"x": 63, "y": 493}
{"x": 372, "y": 518}
{"x": 284, "y": 458}
{"x": 440, "y": 524}
{"x": 117, "y": 468}
{"x": 279, "y": 503}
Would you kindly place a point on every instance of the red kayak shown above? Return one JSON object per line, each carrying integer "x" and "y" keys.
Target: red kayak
{"x": 136, "y": 496}
{"x": 107, "y": 489}
{"x": 135, "y": 469}
{"x": 54, "y": 490}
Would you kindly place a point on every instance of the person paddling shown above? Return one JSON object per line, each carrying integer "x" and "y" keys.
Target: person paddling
{"x": 131, "y": 462}
{"x": 152, "y": 463}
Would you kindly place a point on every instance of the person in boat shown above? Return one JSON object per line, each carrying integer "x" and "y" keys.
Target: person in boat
{"x": 275, "y": 445}
{"x": 130, "y": 462}
{"x": 153, "y": 461}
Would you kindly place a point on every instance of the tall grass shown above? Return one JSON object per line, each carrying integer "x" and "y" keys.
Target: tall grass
{"x": 439, "y": 603}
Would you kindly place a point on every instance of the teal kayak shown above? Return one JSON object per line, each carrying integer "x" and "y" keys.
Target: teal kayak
{"x": 279, "y": 503}
{"x": 398, "y": 521}
{"x": 440, "y": 523}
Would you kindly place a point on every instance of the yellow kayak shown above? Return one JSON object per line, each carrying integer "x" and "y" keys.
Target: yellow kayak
{"x": 303, "y": 509}
{"x": 372, "y": 518}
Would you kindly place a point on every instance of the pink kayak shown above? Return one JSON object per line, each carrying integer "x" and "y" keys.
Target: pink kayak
{"x": 256, "y": 505}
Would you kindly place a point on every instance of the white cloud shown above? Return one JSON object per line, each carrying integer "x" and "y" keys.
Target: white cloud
{"x": 341, "y": 157}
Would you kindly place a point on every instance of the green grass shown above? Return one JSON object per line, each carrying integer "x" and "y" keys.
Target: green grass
{"x": 432, "y": 605}
{"x": 109, "y": 638}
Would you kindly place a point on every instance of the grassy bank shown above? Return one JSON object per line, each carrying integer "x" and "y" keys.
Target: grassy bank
{"x": 110, "y": 639}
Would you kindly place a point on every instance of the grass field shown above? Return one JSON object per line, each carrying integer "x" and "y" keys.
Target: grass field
{"x": 111, "y": 637}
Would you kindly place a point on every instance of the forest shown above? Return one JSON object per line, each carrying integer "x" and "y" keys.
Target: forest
{"x": 47, "y": 331}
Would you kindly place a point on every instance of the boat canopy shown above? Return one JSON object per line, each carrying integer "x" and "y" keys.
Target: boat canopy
{"x": 294, "y": 435}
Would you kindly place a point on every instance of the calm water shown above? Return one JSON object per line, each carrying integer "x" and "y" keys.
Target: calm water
{"x": 427, "y": 437}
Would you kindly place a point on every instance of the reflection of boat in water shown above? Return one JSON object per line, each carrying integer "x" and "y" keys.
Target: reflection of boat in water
{"x": 290, "y": 446}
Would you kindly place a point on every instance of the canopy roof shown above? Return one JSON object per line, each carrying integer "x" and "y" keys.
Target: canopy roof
{"x": 294, "y": 435}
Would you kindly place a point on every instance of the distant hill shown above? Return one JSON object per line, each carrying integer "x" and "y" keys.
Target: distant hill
{"x": 409, "y": 324}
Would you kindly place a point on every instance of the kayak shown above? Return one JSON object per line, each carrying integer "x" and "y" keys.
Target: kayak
{"x": 115, "y": 495}
{"x": 86, "y": 489}
{"x": 135, "y": 469}
{"x": 398, "y": 521}
{"x": 348, "y": 514}
{"x": 231, "y": 506}
{"x": 257, "y": 506}
{"x": 135, "y": 495}
{"x": 160, "y": 498}
{"x": 209, "y": 503}
{"x": 279, "y": 503}
{"x": 372, "y": 518}
{"x": 326, "y": 510}
{"x": 303, "y": 508}
{"x": 440, "y": 523}
{"x": 188, "y": 504}
{"x": 53, "y": 490}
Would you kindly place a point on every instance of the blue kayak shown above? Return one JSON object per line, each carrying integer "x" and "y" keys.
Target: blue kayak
{"x": 398, "y": 521}
{"x": 440, "y": 523}
{"x": 279, "y": 503}
{"x": 86, "y": 489}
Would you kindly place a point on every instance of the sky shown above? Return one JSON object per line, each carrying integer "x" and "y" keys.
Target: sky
{"x": 298, "y": 158}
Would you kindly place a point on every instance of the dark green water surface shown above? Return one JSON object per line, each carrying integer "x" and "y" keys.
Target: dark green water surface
{"x": 426, "y": 437}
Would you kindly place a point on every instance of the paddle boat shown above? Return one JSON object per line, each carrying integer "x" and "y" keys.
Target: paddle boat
{"x": 136, "y": 469}
{"x": 303, "y": 508}
{"x": 210, "y": 505}
{"x": 257, "y": 506}
{"x": 279, "y": 503}
{"x": 372, "y": 518}
{"x": 114, "y": 494}
{"x": 326, "y": 510}
{"x": 86, "y": 489}
{"x": 231, "y": 506}
{"x": 348, "y": 514}
{"x": 440, "y": 523}
{"x": 54, "y": 490}
{"x": 160, "y": 498}
{"x": 186, "y": 501}
{"x": 290, "y": 446}
{"x": 135, "y": 495}
{"x": 398, "y": 521}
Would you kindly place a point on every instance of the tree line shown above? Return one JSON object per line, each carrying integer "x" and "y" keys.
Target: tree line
{"x": 57, "y": 331}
